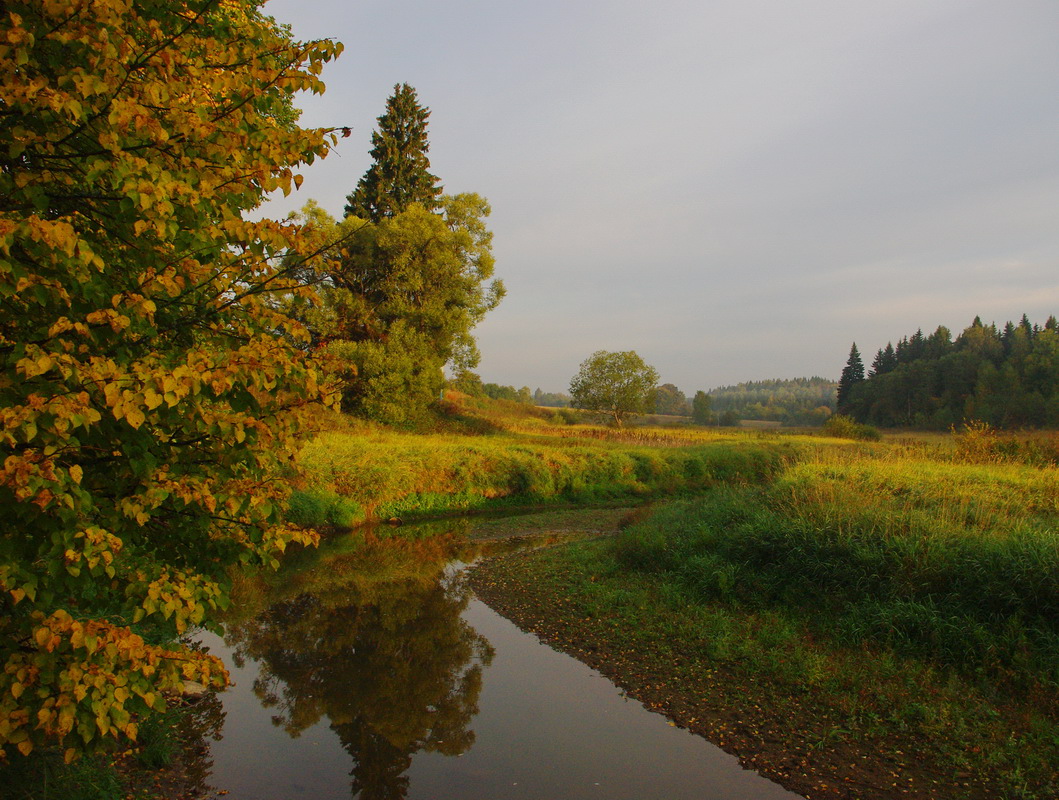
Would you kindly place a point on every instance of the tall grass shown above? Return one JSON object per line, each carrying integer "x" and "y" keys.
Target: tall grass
{"x": 958, "y": 564}
{"x": 354, "y": 477}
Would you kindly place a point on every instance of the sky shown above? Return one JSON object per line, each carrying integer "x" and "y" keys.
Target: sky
{"x": 735, "y": 189}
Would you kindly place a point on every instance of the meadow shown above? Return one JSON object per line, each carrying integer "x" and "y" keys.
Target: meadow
{"x": 492, "y": 456}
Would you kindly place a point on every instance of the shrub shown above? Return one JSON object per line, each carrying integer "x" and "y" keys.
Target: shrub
{"x": 322, "y": 508}
{"x": 842, "y": 427}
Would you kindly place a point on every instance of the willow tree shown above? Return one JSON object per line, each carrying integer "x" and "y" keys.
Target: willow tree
{"x": 400, "y": 171}
{"x": 147, "y": 401}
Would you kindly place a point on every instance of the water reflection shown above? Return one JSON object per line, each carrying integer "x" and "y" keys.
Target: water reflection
{"x": 367, "y": 633}
{"x": 201, "y": 722}
{"x": 368, "y": 657}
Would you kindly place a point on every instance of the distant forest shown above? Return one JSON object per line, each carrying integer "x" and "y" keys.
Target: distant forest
{"x": 1007, "y": 377}
{"x": 798, "y": 401}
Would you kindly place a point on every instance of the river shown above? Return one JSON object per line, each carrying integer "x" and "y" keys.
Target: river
{"x": 368, "y": 669}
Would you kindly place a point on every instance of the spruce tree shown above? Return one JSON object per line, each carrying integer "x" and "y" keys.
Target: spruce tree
{"x": 885, "y": 361}
{"x": 852, "y": 374}
{"x": 399, "y": 174}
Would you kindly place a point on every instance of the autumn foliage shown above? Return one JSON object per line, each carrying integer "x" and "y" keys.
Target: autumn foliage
{"x": 149, "y": 389}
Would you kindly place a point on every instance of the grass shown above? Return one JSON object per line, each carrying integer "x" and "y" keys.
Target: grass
{"x": 932, "y": 580}
{"x": 48, "y": 778}
{"x": 743, "y": 674}
{"x": 353, "y": 477}
{"x": 100, "y": 776}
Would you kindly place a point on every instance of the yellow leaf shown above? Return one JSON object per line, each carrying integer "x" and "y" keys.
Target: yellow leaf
{"x": 18, "y": 594}
{"x": 69, "y": 755}
{"x": 76, "y": 473}
{"x": 25, "y": 747}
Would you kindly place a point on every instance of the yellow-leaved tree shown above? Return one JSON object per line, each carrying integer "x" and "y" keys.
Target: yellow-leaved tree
{"x": 149, "y": 389}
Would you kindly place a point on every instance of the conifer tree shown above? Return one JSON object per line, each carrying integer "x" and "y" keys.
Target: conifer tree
{"x": 399, "y": 174}
{"x": 852, "y": 374}
{"x": 885, "y": 360}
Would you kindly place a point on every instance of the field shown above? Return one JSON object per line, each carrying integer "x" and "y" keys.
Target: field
{"x": 488, "y": 456}
{"x": 885, "y": 598}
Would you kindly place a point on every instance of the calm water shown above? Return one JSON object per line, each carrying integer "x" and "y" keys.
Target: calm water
{"x": 371, "y": 671}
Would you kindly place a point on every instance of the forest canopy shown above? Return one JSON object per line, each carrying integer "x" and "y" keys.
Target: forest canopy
{"x": 1006, "y": 377}
{"x": 797, "y": 401}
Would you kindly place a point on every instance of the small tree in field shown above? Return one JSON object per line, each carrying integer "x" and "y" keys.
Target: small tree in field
{"x": 702, "y": 408}
{"x": 670, "y": 400}
{"x": 615, "y": 384}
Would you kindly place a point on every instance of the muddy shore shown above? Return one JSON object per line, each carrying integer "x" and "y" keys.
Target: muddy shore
{"x": 790, "y": 738}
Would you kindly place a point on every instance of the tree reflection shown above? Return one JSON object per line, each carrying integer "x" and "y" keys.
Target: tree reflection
{"x": 370, "y": 638}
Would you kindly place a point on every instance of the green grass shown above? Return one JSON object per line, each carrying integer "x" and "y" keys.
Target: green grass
{"x": 353, "y": 477}
{"x": 955, "y": 564}
{"x": 48, "y": 778}
{"x": 828, "y": 702}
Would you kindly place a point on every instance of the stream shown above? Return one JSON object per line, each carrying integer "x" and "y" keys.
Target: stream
{"x": 368, "y": 669}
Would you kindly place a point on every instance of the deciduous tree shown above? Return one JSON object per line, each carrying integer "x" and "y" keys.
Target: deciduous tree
{"x": 147, "y": 398}
{"x": 670, "y": 400}
{"x": 400, "y": 300}
{"x": 702, "y": 408}
{"x": 615, "y": 384}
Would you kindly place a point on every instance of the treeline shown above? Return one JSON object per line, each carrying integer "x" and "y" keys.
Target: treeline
{"x": 1007, "y": 377}
{"x": 797, "y": 401}
{"x": 470, "y": 383}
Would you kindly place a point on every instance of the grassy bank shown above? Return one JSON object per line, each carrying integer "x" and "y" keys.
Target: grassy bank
{"x": 867, "y": 604}
{"x": 950, "y": 563}
{"x": 380, "y": 474}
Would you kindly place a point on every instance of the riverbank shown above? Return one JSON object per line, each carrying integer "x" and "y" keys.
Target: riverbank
{"x": 736, "y": 681}
{"x": 361, "y": 472}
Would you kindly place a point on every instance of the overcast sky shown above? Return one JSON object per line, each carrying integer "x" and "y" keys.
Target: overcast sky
{"x": 735, "y": 189}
